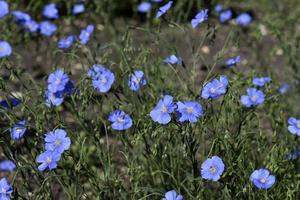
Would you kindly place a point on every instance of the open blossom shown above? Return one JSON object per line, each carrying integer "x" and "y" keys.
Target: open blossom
{"x": 18, "y": 130}
{"x": 261, "y": 81}
{"x": 50, "y": 11}
{"x": 48, "y": 159}
{"x": 144, "y": 7}
{"x": 253, "y": 97}
{"x": 137, "y": 80}
{"x": 212, "y": 168}
{"x": 4, "y": 9}
{"x": 215, "y": 88}
{"x": 78, "y": 8}
{"x": 172, "y": 195}
{"x": 7, "y": 165}
{"x": 31, "y": 25}
{"x": 57, "y": 140}
{"x": 5, "y": 189}
{"x": 225, "y": 16}
{"x": 284, "y": 88}
{"x": 120, "y": 120}
{"x": 66, "y": 43}
{"x": 244, "y": 19}
{"x": 199, "y": 18}
{"x": 189, "y": 111}
{"x": 5, "y": 49}
{"x": 163, "y": 109}
{"x": 173, "y": 60}
{"x": 47, "y": 28}
{"x": 262, "y": 179}
{"x": 162, "y": 10}
{"x": 230, "y": 62}
{"x": 102, "y": 78}
{"x": 294, "y": 126}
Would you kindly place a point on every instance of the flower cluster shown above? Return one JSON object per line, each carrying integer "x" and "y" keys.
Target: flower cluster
{"x": 215, "y": 88}
{"x": 137, "y": 80}
{"x": 59, "y": 86}
{"x": 56, "y": 142}
{"x": 102, "y": 78}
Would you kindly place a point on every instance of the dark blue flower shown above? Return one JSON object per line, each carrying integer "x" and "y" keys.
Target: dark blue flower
{"x": 225, "y": 16}
{"x": 172, "y": 195}
{"x": 232, "y": 61}
{"x": 200, "y": 17}
{"x": 144, "y": 7}
{"x": 54, "y": 99}
{"x": 47, "y": 28}
{"x": 137, "y": 80}
{"x": 261, "y": 81}
{"x": 31, "y": 25}
{"x": 189, "y": 111}
{"x": 85, "y": 34}
{"x": 5, "y": 49}
{"x": 120, "y": 120}
{"x": 102, "y": 78}
{"x": 244, "y": 19}
{"x": 4, "y": 9}
{"x": 50, "y": 11}
{"x": 295, "y": 154}
{"x": 66, "y": 43}
{"x": 284, "y": 88}
{"x": 21, "y": 17}
{"x": 162, "y": 10}
{"x": 215, "y": 88}
{"x": 48, "y": 159}
{"x": 18, "y": 130}
{"x": 10, "y": 103}
{"x": 78, "y": 8}
{"x": 262, "y": 179}
{"x": 5, "y": 189}
{"x": 173, "y": 60}
{"x": 57, "y": 141}
{"x": 212, "y": 168}
{"x": 163, "y": 109}
{"x": 7, "y": 165}
{"x": 254, "y": 97}
{"x": 294, "y": 126}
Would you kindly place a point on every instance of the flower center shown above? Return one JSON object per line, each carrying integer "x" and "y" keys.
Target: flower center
{"x": 19, "y": 130}
{"x": 104, "y": 80}
{"x": 57, "y": 142}
{"x": 120, "y": 119}
{"x": 1, "y": 49}
{"x": 189, "y": 110}
{"x": 298, "y": 125}
{"x": 164, "y": 109}
{"x": 57, "y": 81}
{"x": 263, "y": 180}
{"x": 3, "y": 190}
{"x": 212, "y": 90}
{"x": 253, "y": 99}
{"x": 49, "y": 160}
{"x": 213, "y": 170}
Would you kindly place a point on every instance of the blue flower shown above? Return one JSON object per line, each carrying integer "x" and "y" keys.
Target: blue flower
{"x": 284, "y": 88}
{"x": 163, "y": 109}
{"x": 66, "y": 43}
{"x": 7, "y": 165}
{"x": 50, "y": 11}
{"x": 85, "y": 34}
{"x": 144, "y": 7}
{"x": 200, "y": 17}
{"x": 5, "y": 49}
{"x": 137, "y": 80}
{"x": 254, "y": 97}
{"x": 156, "y": 1}
{"x": 4, "y": 9}
{"x": 78, "y": 8}
{"x": 48, "y": 159}
{"x": 225, "y": 16}
{"x": 5, "y": 189}
{"x": 261, "y": 81}
{"x": 212, "y": 168}
{"x": 294, "y": 126}
{"x": 262, "y": 179}
{"x": 232, "y": 61}
{"x": 10, "y": 103}
{"x": 31, "y": 25}
{"x": 21, "y": 17}
{"x": 172, "y": 195}
{"x": 189, "y": 111}
{"x": 218, "y": 8}
{"x": 244, "y": 19}
{"x": 215, "y": 88}
{"x": 162, "y": 10}
{"x": 47, "y": 28}
{"x": 173, "y": 60}
{"x": 57, "y": 141}
{"x": 54, "y": 99}
{"x": 120, "y": 120}
{"x": 102, "y": 78}
{"x": 295, "y": 154}
{"x": 57, "y": 80}
{"x": 18, "y": 130}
